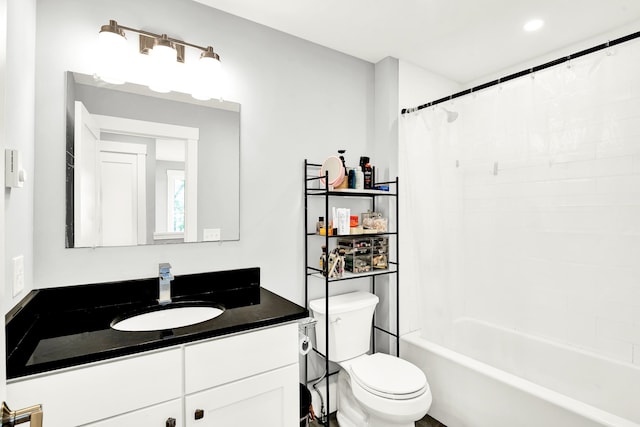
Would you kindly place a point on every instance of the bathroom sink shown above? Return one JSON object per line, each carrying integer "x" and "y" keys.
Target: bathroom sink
{"x": 166, "y": 317}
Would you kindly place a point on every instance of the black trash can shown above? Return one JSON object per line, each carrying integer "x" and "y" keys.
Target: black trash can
{"x": 305, "y": 403}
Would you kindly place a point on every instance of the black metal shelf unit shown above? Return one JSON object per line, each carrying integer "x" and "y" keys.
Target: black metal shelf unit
{"x": 317, "y": 186}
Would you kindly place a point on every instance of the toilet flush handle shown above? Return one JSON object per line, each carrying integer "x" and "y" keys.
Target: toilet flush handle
{"x": 337, "y": 320}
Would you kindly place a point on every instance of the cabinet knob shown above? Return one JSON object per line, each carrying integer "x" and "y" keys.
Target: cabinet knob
{"x": 199, "y": 414}
{"x": 171, "y": 422}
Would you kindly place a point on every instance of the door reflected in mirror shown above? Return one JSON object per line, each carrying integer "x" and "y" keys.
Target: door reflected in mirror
{"x": 148, "y": 168}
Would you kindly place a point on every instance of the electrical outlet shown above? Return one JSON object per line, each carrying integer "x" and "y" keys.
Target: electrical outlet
{"x": 18, "y": 274}
{"x": 211, "y": 234}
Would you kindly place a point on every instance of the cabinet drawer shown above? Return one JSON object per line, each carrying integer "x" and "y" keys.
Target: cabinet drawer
{"x": 100, "y": 391}
{"x": 154, "y": 416}
{"x": 267, "y": 400}
{"x": 224, "y": 360}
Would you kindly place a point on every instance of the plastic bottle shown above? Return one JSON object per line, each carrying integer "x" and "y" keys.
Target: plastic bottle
{"x": 363, "y": 161}
{"x": 359, "y": 179}
{"x": 352, "y": 178}
{"x": 323, "y": 257}
{"x": 368, "y": 177}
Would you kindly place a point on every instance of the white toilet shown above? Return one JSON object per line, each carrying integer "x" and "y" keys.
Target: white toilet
{"x": 376, "y": 390}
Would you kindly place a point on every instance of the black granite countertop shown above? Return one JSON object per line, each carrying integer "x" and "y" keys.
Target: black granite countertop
{"x": 56, "y": 328}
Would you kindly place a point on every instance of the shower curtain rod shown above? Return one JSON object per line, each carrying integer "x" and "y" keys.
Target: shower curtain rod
{"x": 528, "y": 71}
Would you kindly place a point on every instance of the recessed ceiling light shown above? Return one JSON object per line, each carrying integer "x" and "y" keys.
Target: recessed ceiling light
{"x": 533, "y": 25}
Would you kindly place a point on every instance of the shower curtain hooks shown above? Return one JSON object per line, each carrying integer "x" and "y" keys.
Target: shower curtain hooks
{"x": 609, "y": 49}
{"x": 451, "y": 115}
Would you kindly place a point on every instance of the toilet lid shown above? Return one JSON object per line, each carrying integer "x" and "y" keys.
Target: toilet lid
{"x": 388, "y": 376}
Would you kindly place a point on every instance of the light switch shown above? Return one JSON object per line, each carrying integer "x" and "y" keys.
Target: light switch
{"x": 14, "y": 175}
{"x": 211, "y": 235}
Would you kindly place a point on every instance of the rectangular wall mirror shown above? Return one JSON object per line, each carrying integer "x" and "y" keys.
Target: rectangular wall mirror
{"x": 149, "y": 168}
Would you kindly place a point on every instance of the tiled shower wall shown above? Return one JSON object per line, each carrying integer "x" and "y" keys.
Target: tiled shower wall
{"x": 547, "y": 196}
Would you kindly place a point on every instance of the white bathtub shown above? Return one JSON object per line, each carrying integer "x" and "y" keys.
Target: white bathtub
{"x": 501, "y": 378}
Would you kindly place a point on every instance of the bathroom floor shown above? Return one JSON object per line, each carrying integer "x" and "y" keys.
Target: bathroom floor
{"x": 427, "y": 421}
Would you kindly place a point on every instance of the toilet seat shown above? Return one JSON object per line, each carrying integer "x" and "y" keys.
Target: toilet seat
{"x": 388, "y": 377}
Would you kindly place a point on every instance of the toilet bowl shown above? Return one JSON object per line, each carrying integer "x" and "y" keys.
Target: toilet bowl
{"x": 381, "y": 390}
{"x": 374, "y": 390}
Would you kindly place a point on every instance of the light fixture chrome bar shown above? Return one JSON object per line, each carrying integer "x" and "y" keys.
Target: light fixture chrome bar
{"x": 146, "y": 43}
{"x": 157, "y": 36}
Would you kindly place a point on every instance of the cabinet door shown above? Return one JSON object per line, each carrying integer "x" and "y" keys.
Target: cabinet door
{"x": 96, "y": 392}
{"x": 268, "y": 400}
{"x": 154, "y": 416}
{"x": 221, "y": 361}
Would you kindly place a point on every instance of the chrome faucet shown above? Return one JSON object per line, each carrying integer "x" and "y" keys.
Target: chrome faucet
{"x": 165, "y": 283}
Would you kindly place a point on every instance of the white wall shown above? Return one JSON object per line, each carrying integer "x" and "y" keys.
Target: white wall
{"x": 418, "y": 86}
{"x": 3, "y": 140}
{"x": 19, "y": 119}
{"x": 299, "y": 100}
{"x": 384, "y": 145}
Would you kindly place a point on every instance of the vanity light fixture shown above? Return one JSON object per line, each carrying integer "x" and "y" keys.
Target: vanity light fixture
{"x": 165, "y": 52}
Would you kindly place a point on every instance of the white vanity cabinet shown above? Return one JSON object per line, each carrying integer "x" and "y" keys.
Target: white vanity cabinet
{"x": 230, "y": 381}
{"x": 244, "y": 380}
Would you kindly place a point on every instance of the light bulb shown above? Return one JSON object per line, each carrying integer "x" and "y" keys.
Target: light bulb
{"x": 207, "y": 83}
{"x": 112, "y": 49}
{"x": 163, "y": 55}
{"x": 163, "y": 62}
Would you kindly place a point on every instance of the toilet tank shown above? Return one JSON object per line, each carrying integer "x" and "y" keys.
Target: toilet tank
{"x": 350, "y": 318}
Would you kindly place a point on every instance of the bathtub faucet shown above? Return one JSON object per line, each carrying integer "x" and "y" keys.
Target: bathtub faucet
{"x": 165, "y": 283}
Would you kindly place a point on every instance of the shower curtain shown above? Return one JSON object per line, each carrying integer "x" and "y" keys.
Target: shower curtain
{"x": 430, "y": 209}
{"x": 524, "y": 211}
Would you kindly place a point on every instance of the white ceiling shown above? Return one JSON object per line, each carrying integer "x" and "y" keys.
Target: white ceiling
{"x": 463, "y": 40}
